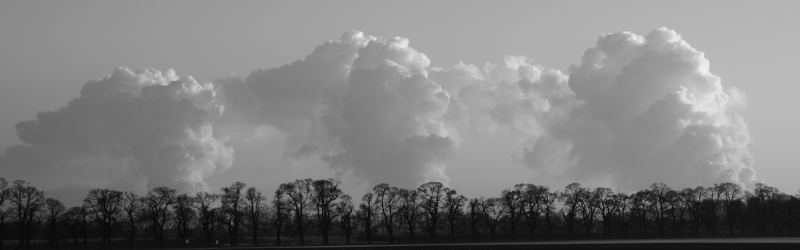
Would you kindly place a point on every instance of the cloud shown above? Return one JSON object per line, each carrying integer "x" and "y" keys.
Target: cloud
{"x": 652, "y": 111}
{"x": 635, "y": 110}
{"x": 140, "y": 129}
{"x": 362, "y": 104}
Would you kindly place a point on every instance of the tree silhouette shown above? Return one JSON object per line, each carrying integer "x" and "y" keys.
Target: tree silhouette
{"x": 765, "y": 197}
{"x": 493, "y": 211}
{"x": 131, "y": 204}
{"x": 232, "y": 203}
{"x": 640, "y": 205}
{"x": 694, "y": 198}
{"x": 3, "y": 197}
{"x": 532, "y": 201}
{"x": 54, "y": 210}
{"x": 366, "y": 210}
{"x": 184, "y": 215}
{"x": 655, "y": 211}
{"x": 513, "y": 205}
{"x": 588, "y": 204}
{"x": 254, "y": 199}
{"x": 280, "y": 210}
{"x": 433, "y": 196}
{"x": 386, "y": 201}
{"x": 204, "y": 203}
{"x": 157, "y": 204}
{"x": 658, "y": 199}
{"x": 730, "y": 192}
{"x": 27, "y": 201}
{"x": 73, "y": 218}
{"x": 607, "y": 205}
{"x": 345, "y": 211}
{"x": 571, "y": 197}
{"x": 299, "y": 193}
{"x": 621, "y": 210}
{"x": 548, "y": 205}
{"x": 676, "y": 210}
{"x": 104, "y": 205}
{"x": 454, "y": 204}
{"x": 475, "y": 215}
{"x": 409, "y": 210}
{"x": 324, "y": 195}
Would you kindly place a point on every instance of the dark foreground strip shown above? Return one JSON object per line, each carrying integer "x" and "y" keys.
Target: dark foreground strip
{"x": 749, "y": 243}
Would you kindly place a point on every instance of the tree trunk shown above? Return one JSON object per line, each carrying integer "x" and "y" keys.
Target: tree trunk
{"x": 255, "y": 232}
{"x": 452, "y": 229}
{"x": 549, "y": 225}
{"x": 22, "y": 234}
{"x": 474, "y": 230}
{"x": 347, "y": 236}
{"x": 299, "y": 223}
{"x": 2, "y": 230}
{"x": 132, "y": 233}
{"x": 278, "y": 234}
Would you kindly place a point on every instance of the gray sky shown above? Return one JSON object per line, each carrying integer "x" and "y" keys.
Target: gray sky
{"x": 49, "y": 49}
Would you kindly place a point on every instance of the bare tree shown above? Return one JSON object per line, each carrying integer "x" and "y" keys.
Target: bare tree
{"x": 386, "y": 201}
{"x": 433, "y": 195}
{"x": 532, "y": 196}
{"x": 513, "y": 208}
{"x": 254, "y": 199}
{"x": 768, "y": 200}
{"x": 659, "y": 202}
{"x": 84, "y": 219}
{"x": 607, "y": 205}
{"x": 54, "y": 210}
{"x": 365, "y": 212}
{"x": 325, "y": 193}
{"x": 280, "y": 210}
{"x": 232, "y": 203}
{"x": 345, "y": 211}
{"x": 548, "y": 200}
{"x": 454, "y": 203}
{"x": 712, "y": 205}
{"x": 675, "y": 210}
{"x": 157, "y": 204}
{"x": 475, "y": 214}
{"x": 766, "y": 209}
{"x": 299, "y": 193}
{"x": 105, "y": 205}
{"x": 731, "y": 192}
{"x": 765, "y": 197}
{"x": 621, "y": 210}
{"x": 640, "y": 204}
{"x": 184, "y": 215}
{"x": 694, "y": 198}
{"x": 3, "y": 197}
{"x": 72, "y": 219}
{"x": 204, "y": 203}
{"x": 27, "y": 201}
{"x": 588, "y": 204}
{"x": 571, "y": 200}
{"x": 493, "y": 210}
{"x": 131, "y": 205}
{"x": 409, "y": 209}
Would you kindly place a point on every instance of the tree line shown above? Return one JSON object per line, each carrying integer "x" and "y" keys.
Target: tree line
{"x": 308, "y": 211}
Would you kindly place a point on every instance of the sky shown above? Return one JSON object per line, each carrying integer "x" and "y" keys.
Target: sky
{"x": 49, "y": 50}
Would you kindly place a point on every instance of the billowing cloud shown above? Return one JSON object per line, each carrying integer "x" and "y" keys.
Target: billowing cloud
{"x": 651, "y": 111}
{"x": 135, "y": 129}
{"x": 362, "y": 104}
{"x": 635, "y": 110}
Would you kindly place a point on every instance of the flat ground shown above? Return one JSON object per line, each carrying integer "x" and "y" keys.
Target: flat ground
{"x": 706, "y": 243}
